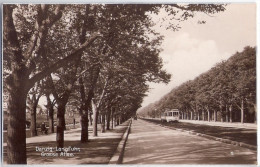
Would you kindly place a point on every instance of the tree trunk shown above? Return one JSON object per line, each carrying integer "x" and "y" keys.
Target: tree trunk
{"x": 122, "y": 119}
{"x": 208, "y": 115}
{"x": 16, "y": 130}
{"x": 119, "y": 120}
{"x": 112, "y": 119}
{"x": 89, "y": 103}
{"x": 108, "y": 119}
{"x": 230, "y": 114}
{"x": 95, "y": 118}
{"x": 62, "y": 101}
{"x": 226, "y": 113}
{"x": 215, "y": 116}
{"x": 16, "y": 85}
{"x": 115, "y": 120}
{"x": 84, "y": 128}
{"x": 60, "y": 125}
{"x": 47, "y": 116}
{"x": 103, "y": 119}
{"x": 33, "y": 120}
{"x": 90, "y": 118}
{"x": 255, "y": 113}
{"x": 51, "y": 119}
{"x": 221, "y": 113}
{"x": 51, "y": 114}
{"x": 242, "y": 111}
{"x": 83, "y": 112}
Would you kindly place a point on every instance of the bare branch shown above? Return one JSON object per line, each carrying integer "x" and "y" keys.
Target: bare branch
{"x": 54, "y": 92}
{"x": 63, "y": 62}
{"x": 103, "y": 92}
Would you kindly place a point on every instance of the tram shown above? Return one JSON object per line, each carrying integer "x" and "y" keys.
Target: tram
{"x": 170, "y": 116}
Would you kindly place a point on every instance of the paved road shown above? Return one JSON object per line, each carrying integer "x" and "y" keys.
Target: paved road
{"x": 152, "y": 144}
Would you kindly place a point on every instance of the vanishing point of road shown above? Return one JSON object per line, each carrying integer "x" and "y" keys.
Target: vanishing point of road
{"x": 149, "y": 143}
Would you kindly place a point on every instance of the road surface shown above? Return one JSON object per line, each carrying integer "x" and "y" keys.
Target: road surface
{"x": 152, "y": 144}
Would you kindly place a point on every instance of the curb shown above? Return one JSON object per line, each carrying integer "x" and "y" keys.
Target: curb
{"x": 241, "y": 144}
{"x": 117, "y": 158}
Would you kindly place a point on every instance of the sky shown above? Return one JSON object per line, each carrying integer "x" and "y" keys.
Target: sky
{"x": 196, "y": 48}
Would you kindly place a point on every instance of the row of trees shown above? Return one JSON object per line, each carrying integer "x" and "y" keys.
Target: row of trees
{"x": 96, "y": 58}
{"x": 227, "y": 92}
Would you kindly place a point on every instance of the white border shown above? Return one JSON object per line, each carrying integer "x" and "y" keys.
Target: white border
{"x": 146, "y": 2}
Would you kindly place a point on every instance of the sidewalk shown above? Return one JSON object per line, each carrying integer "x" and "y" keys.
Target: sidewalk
{"x": 99, "y": 150}
{"x": 212, "y": 123}
{"x": 223, "y": 124}
{"x": 238, "y": 136}
{"x": 28, "y": 131}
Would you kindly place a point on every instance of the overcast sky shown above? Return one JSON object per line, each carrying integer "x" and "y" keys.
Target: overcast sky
{"x": 197, "y": 47}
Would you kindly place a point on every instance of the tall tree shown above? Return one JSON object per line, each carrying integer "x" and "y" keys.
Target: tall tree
{"x": 61, "y": 92}
{"x": 26, "y": 28}
{"x": 21, "y": 56}
{"x": 50, "y": 107}
{"x": 32, "y": 101}
{"x": 226, "y": 92}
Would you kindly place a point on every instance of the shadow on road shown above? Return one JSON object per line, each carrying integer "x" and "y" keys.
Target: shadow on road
{"x": 98, "y": 150}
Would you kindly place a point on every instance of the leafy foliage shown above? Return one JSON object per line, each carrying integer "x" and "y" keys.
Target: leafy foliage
{"x": 225, "y": 85}
{"x": 117, "y": 40}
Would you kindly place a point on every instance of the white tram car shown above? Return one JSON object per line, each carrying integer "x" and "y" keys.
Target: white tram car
{"x": 170, "y": 116}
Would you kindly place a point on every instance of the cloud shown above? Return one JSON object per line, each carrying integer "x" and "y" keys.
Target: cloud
{"x": 185, "y": 58}
{"x": 196, "y": 48}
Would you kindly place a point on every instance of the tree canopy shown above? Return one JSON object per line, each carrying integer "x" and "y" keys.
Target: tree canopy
{"x": 95, "y": 41}
{"x": 228, "y": 88}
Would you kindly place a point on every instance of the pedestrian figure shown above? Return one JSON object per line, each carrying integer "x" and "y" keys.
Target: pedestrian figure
{"x": 44, "y": 129}
{"x": 74, "y": 122}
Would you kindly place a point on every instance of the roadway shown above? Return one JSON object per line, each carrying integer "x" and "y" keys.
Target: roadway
{"x": 152, "y": 144}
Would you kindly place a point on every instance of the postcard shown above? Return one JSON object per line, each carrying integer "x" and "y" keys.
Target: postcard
{"x": 129, "y": 83}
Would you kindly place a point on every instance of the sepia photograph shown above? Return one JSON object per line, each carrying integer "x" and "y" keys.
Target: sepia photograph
{"x": 129, "y": 83}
